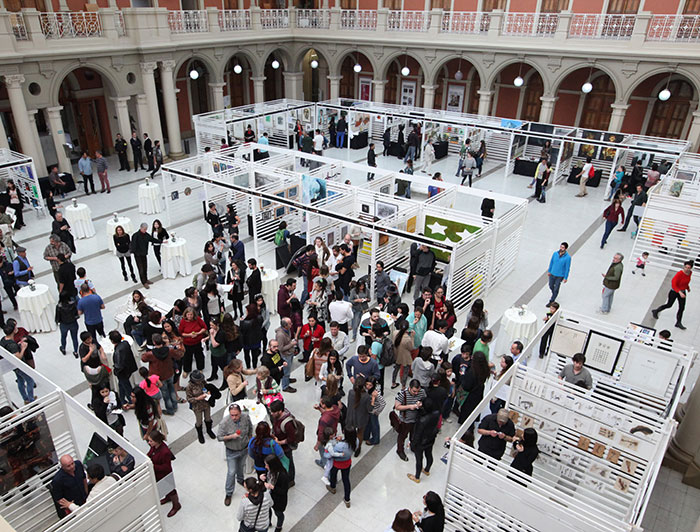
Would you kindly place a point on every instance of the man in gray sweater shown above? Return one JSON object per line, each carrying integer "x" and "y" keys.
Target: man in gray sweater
{"x": 381, "y": 282}
{"x": 235, "y": 431}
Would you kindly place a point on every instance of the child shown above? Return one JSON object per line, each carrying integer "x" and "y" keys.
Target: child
{"x": 267, "y": 388}
{"x": 544, "y": 343}
{"x": 642, "y": 262}
{"x": 82, "y": 278}
{"x": 112, "y": 414}
{"x": 328, "y": 443}
{"x": 151, "y": 384}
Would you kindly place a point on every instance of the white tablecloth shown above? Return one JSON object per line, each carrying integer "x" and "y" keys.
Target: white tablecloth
{"x": 519, "y": 327}
{"x": 125, "y": 222}
{"x": 80, "y": 220}
{"x": 109, "y": 353}
{"x": 175, "y": 259}
{"x": 150, "y": 201}
{"x": 36, "y": 308}
{"x": 270, "y": 285}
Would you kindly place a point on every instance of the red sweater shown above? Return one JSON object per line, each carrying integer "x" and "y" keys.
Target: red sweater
{"x": 314, "y": 339}
{"x": 162, "y": 458}
{"x": 192, "y": 326}
{"x": 681, "y": 281}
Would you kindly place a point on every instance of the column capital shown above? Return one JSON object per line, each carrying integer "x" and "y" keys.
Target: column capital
{"x": 258, "y": 79}
{"x": 219, "y": 86}
{"x": 484, "y": 94}
{"x": 32, "y": 114}
{"x": 148, "y": 67}
{"x": 379, "y": 82}
{"x": 123, "y": 100}
{"x": 549, "y": 99}
{"x": 168, "y": 65}
{"x": 141, "y": 99}
{"x": 334, "y": 78}
{"x": 429, "y": 87}
{"x": 293, "y": 75}
{"x": 619, "y": 106}
{"x": 696, "y": 116}
{"x": 14, "y": 81}
{"x": 54, "y": 110}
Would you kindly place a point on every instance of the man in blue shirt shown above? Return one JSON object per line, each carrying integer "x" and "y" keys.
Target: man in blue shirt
{"x": 558, "y": 271}
{"x": 90, "y": 306}
{"x": 23, "y": 270}
{"x": 85, "y": 167}
{"x": 362, "y": 364}
{"x": 237, "y": 249}
{"x": 262, "y": 152}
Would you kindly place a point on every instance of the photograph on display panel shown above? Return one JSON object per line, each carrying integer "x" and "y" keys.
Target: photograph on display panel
{"x": 567, "y": 341}
{"x": 602, "y": 352}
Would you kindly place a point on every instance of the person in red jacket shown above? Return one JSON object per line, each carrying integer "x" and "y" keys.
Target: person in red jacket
{"x": 311, "y": 334}
{"x": 162, "y": 458}
{"x": 680, "y": 286}
{"x": 193, "y": 331}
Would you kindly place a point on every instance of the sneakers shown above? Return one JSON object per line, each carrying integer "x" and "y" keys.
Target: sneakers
{"x": 413, "y": 478}
{"x": 62, "y": 350}
{"x": 347, "y": 504}
{"x": 325, "y": 480}
{"x": 426, "y": 472}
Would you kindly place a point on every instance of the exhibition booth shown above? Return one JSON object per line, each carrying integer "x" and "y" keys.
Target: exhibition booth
{"x": 34, "y": 436}
{"x": 600, "y": 449}
{"x": 311, "y": 195}
{"x": 20, "y": 169}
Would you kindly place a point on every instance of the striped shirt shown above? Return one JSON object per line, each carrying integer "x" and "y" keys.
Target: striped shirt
{"x": 405, "y": 397}
{"x": 247, "y": 512}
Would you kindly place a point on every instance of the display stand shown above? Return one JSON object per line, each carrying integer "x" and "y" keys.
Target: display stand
{"x": 20, "y": 169}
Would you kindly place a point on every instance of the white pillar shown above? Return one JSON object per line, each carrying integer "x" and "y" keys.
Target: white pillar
{"x": 142, "y": 115}
{"x": 547, "y": 109}
{"x": 53, "y": 115}
{"x": 149, "y": 88}
{"x": 39, "y": 159}
{"x": 379, "y": 90}
{"x": 293, "y": 85}
{"x": 429, "y": 96}
{"x": 121, "y": 106}
{"x": 19, "y": 113}
{"x": 619, "y": 110}
{"x": 170, "y": 103}
{"x": 484, "y": 102}
{"x": 3, "y": 136}
{"x": 686, "y": 441}
{"x": 259, "y": 89}
{"x": 335, "y": 86}
{"x": 694, "y": 133}
{"x": 217, "y": 93}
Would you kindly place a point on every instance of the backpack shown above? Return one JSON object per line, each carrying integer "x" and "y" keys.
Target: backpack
{"x": 299, "y": 429}
{"x": 591, "y": 172}
{"x": 279, "y": 237}
{"x": 388, "y": 356}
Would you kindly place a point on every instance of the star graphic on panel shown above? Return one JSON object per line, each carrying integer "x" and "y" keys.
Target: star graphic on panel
{"x": 437, "y": 229}
{"x": 463, "y": 235}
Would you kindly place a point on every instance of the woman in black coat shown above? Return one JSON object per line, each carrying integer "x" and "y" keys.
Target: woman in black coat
{"x": 386, "y": 141}
{"x": 472, "y": 383}
{"x": 424, "y": 434}
{"x": 251, "y": 335}
{"x": 527, "y": 452}
{"x": 432, "y": 518}
{"x": 276, "y": 480}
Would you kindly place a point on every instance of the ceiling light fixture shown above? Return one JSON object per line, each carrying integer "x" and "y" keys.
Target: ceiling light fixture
{"x": 518, "y": 82}
{"x": 588, "y": 86}
{"x": 459, "y": 75}
{"x": 194, "y": 73}
{"x": 237, "y": 68}
{"x": 666, "y": 94}
{"x": 275, "y": 64}
{"x": 314, "y": 63}
{"x": 357, "y": 67}
{"x": 405, "y": 71}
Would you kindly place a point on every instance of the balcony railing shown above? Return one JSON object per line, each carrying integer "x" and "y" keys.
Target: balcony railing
{"x": 358, "y": 20}
{"x": 188, "y": 21}
{"x": 530, "y": 24}
{"x": 234, "y": 19}
{"x": 119, "y": 24}
{"x": 314, "y": 18}
{"x": 19, "y": 29}
{"x": 676, "y": 28}
{"x": 408, "y": 21}
{"x": 274, "y": 19}
{"x": 465, "y": 22}
{"x": 602, "y": 26}
{"x": 70, "y": 25}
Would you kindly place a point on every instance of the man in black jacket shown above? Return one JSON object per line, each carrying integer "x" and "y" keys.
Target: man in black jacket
{"x": 273, "y": 361}
{"x": 639, "y": 200}
{"x": 253, "y": 281}
{"x": 120, "y": 146}
{"x": 124, "y": 365}
{"x": 139, "y": 248}
{"x": 138, "y": 152}
{"x": 148, "y": 150}
{"x": 371, "y": 161}
{"x": 425, "y": 264}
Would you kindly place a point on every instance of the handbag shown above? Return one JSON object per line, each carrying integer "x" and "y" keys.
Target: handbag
{"x": 162, "y": 427}
{"x": 309, "y": 367}
{"x": 245, "y": 528}
{"x": 394, "y": 418}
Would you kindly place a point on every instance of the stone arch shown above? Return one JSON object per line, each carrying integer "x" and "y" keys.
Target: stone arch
{"x": 252, "y": 61}
{"x": 336, "y": 63}
{"x": 112, "y": 85}
{"x": 280, "y": 54}
{"x": 612, "y": 74}
{"x": 495, "y": 72}
{"x": 212, "y": 67}
{"x": 446, "y": 59}
{"x": 689, "y": 76}
{"x": 301, "y": 52}
{"x": 383, "y": 67}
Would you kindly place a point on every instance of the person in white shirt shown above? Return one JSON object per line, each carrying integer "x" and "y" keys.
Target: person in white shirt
{"x": 584, "y": 176}
{"x": 436, "y": 339}
{"x": 100, "y": 484}
{"x": 332, "y": 262}
{"x": 341, "y": 312}
{"x": 318, "y": 142}
{"x": 339, "y": 339}
{"x": 428, "y": 157}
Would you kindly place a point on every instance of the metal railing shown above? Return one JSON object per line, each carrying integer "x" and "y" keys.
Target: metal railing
{"x": 530, "y": 24}
{"x": 601, "y": 26}
{"x": 358, "y": 19}
{"x": 465, "y": 22}
{"x": 70, "y": 24}
{"x": 188, "y": 21}
{"x": 234, "y": 19}
{"x": 119, "y": 24}
{"x": 274, "y": 19}
{"x": 314, "y": 18}
{"x": 408, "y": 21}
{"x": 678, "y": 28}
{"x": 19, "y": 29}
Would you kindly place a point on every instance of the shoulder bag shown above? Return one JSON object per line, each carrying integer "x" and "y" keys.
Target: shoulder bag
{"x": 394, "y": 418}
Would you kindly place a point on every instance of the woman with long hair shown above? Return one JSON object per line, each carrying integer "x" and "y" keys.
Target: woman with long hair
{"x": 424, "y": 433}
{"x": 122, "y": 246}
{"x": 472, "y": 384}
{"x": 403, "y": 345}
{"x": 526, "y": 451}
{"x": 377, "y": 405}
{"x": 232, "y": 337}
{"x": 236, "y": 278}
{"x": 234, "y": 377}
{"x": 171, "y": 337}
{"x": 471, "y": 333}
{"x": 263, "y": 444}
{"x": 217, "y": 348}
{"x": 322, "y": 251}
{"x": 432, "y": 518}
{"x": 332, "y": 389}
{"x": 320, "y": 358}
{"x": 318, "y": 302}
{"x": 147, "y": 411}
{"x": 359, "y": 407}
{"x": 15, "y": 201}
{"x": 334, "y": 367}
{"x": 264, "y": 313}
{"x": 160, "y": 234}
{"x": 497, "y": 403}
{"x": 403, "y": 522}
{"x": 193, "y": 331}
{"x": 342, "y": 460}
{"x": 192, "y": 299}
{"x": 276, "y": 480}
{"x": 251, "y": 335}
{"x": 255, "y": 507}
{"x": 359, "y": 297}
{"x": 162, "y": 458}
{"x": 477, "y": 311}
{"x": 232, "y": 219}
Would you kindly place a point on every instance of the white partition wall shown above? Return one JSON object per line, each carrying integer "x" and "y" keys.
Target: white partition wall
{"x": 20, "y": 168}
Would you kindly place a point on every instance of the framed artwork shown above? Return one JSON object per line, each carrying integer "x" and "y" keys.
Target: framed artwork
{"x": 281, "y": 193}
{"x": 215, "y": 166}
{"x": 408, "y": 93}
{"x": 385, "y": 189}
{"x": 365, "y": 208}
{"x": 384, "y": 210}
{"x": 587, "y": 150}
{"x": 607, "y": 154}
{"x": 306, "y": 114}
{"x": 685, "y": 175}
{"x": 648, "y": 370}
{"x": 292, "y": 192}
{"x": 566, "y": 341}
{"x": 675, "y": 189}
{"x": 280, "y": 212}
{"x": 602, "y": 352}
{"x": 330, "y": 238}
{"x": 365, "y": 89}
{"x": 266, "y": 215}
{"x": 264, "y": 204}
{"x": 174, "y": 195}
{"x": 455, "y": 98}
{"x": 279, "y": 122}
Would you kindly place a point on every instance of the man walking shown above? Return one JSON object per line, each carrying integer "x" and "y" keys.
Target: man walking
{"x": 157, "y": 158}
{"x": 85, "y": 168}
{"x": 102, "y": 166}
{"x": 638, "y": 200}
{"x": 680, "y": 286}
{"x": 120, "y": 146}
{"x": 558, "y": 271}
{"x": 407, "y": 404}
{"x": 138, "y": 152}
{"x": 611, "y": 282}
{"x": 285, "y": 341}
{"x": 371, "y": 161}
{"x": 425, "y": 264}
{"x": 139, "y": 247}
{"x": 235, "y": 430}
{"x": 584, "y": 175}
{"x": 148, "y": 150}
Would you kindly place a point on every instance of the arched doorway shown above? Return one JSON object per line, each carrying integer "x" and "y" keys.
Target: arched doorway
{"x": 193, "y": 82}
{"x": 315, "y": 83}
{"x": 453, "y": 94}
{"x": 239, "y": 85}
{"x": 274, "y": 77}
{"x": 587, "y": 110}
{"x": 404, "y": 89}
{"x": 521, "y": 101}
{"x": 356, "y": 83}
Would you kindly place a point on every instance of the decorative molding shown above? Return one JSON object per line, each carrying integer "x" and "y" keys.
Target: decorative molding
{"x": 148, "y": 67}
{"x": 553, "y": 63}
{"x": 219, "y": 52}
{"x": 629, "y": 68}
{"x": 14, "y": 80}
{"x": 488, "y": 59}
{"x": 47, "y": 70}
{"x": 168, "y": 65}
{"x": 378, "y": 52}
{"x": 117, "y": 62}
{"x": 430, "y": 56}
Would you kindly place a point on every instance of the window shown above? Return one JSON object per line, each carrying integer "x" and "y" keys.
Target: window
{"x": 489, "y": 5}
{"x": 596, "y": 106}
{"x": 668, "y": 118}
{"x": 692, "y": 7}
{"x": 623, "y": 7}
{"x": 554, "y": 6}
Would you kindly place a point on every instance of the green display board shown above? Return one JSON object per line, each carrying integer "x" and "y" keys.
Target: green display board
{"x": 446, "y": 230}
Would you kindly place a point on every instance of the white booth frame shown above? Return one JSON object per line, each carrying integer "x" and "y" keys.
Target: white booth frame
{"x": 20, "y": 168}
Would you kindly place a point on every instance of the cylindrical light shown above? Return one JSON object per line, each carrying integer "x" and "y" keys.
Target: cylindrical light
{"x": 357, "y": 67}
{"x": 405, "y": 71}
{"x": 314, "y": 63}
{"x": 275, "y": 64}
{"x": 518, "y": 82}
{"x": 586, "y": 87}
{"x": 664, "y": 95}
{"x": 194, "y": 73}
{"x": 237, "y": 68}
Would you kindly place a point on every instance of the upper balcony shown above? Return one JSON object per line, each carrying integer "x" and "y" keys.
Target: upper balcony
{"x": 28, "y": 32}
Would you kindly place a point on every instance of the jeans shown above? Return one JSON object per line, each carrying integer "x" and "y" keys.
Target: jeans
{"x": 292, "y": 470}
{"x": 554, "y": 284}
{"x": 286, "y": 370}
{"x": 372, "y": 430}
{"x": 340, "y": 139}
{"x": 608, "y": 294}
{"x": 616, "y": 186}
{"x": 104, "y": 180}
{"x": 87, "y": 179}
{"x": 672, "y": 297}
{"x": 125, "y": 390}
{"x": 304, "y": 291}
{"x": 356, "y": 318}
{"x": 427, "y": 451}
{"x": 345, "y": 475}
{"x": 609, "y": 226}
{"x": 26, "y": 386}
{"x": 169, "y": 396}
{"x": 410, "y": 154}
{"x": 235, "y": 461}
{"x": 65, "y": 328}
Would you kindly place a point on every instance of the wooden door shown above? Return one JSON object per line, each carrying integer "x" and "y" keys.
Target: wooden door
{"x": 554, "y": 6}
{"x": 596, "y": 106}
{"x": 668, "y": 118}
{"x": 623, "y": 7}
{"x": 489, "y": 5}
{"x": 16, "y": 5}
{"x": 691, "y": 7}
{"x": 531, "y": 99}
{"x": 347, "y": 83}
{"x": 441, "y": 4}
{"x": 391, "y": 87}
{"x": 88, "y": 127}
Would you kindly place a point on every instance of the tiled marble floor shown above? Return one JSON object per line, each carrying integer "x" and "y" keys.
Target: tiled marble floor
{"x": 380, "y": 486}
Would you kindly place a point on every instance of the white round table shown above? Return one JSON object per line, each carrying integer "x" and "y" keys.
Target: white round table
{"x": 125, "y": 222}
{"x": 80, "y": 220}
{"x": 108, "y": 347}
{"x": 519, "y": 327}
{"x": 175, "y": 259}
{"x": 36, "y": 308}
{"x": 150, "y": 201}
{"x": 270, "y": 285}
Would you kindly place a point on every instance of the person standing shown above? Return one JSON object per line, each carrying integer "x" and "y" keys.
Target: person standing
{"x": 162, "y": 458}
{"x": 69, "y": 483}
{"x": 407, "y": 403}
{"x": 558, "y": 271}
{"x": 199, "y": 397}
{"x": 428, "y": 157}
{"x": 611, "y": 216}
{"x": 120, "y": 146}
{"x": 584, "y": 175}
{"x": 122, "y": 246}
{"x": 139, "y": 248}
{"x": 611, "y": 282}
{"x": 680, "y": 286}
{"x": 253, "y": 281}
{"x": 277, "y": 481}
{"x": 91, "y": 306}
{"x": 148, "y": 150}
{"x": 332, "y": 130}
{"x": 318, "y": 143}
{"x": 136, "y": 148}
{"x": 66, "y": 276}
{"x": 287, "y": 344}
{"x": 235, "y": 430}
{"x": 85, "y": 168}
{"x": 284, "y": 430}
{"x": 488, "y": 206}
{"x": 162, "y": 360}
{"x": 61, "y": 227}
{"x": 342, "y": 460}
{"x": 102, "y": 167}
{"x": 638, "y": 200}
{"x": 53, "y": 250}
{"x": 340, "y": 132}
{"x": 371, "y": 161}
{"x": 412, "y": 141}
{"x": 424, "y": 434}
{"x": 124, "y": 365}
{"x": 157, "y": 158}
{"x": 425, "y": 264}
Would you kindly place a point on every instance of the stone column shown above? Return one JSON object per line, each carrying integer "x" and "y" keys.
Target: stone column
{"x": 259, "y": 89}
{"x": 694, "y": 132}
{"x": 19, "y": 112}
{"x": 619, "y": 110}
{"x": 484, "y": 102}
{"x": 170, "y": 103}
{"x": 547, "y": 109}
{"x": 429, "y": 96}
{"x": 149, "y": 89}
{"x": 335, "y": 86}
{"x": 121, "y": 106}
{"x": 53, "y": 115}
{"x": 39, "y": 160}
{"x": 217, "y": 93}
{"x": 293, "y": 85}
{"x": 378, "y": 90}
{"x": 3, "y": 136}
{"x": 685, "y": 444}
{"x": 142, "y": 115}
